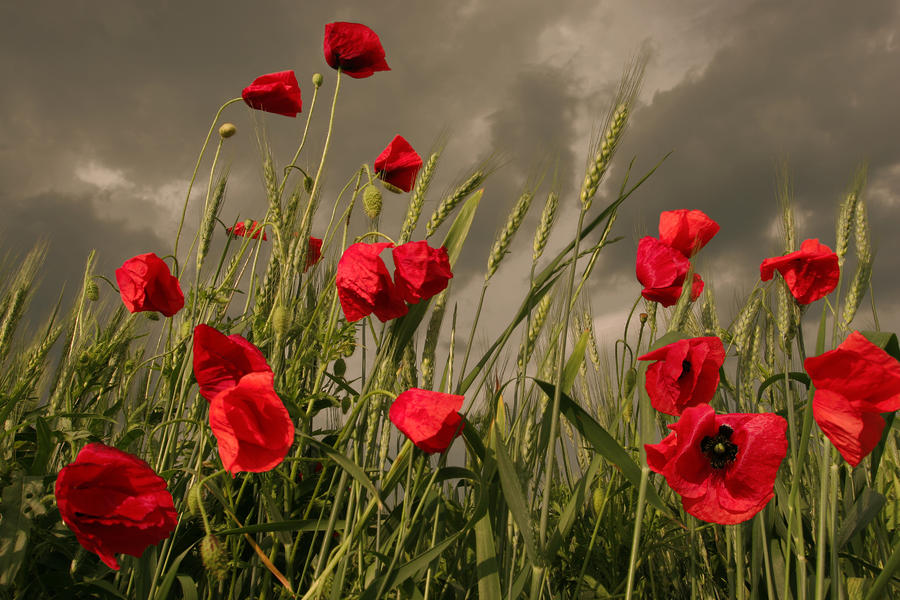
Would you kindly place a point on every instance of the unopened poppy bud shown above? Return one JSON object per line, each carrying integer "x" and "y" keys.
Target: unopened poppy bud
{"x": 372, "y": 201}
{"x": 214, "y": 557}
{"x": 92, "y": 291}
{"x": 340, "y": 367}
{"x": 194, "y": 499}
{"x": 281, "y": 320}
{"x": 317, "y": 79}
{"x": 643, "y": 317}
{"x": 630, "y": 379}
{"x": 227, "y": 130}
{"x": 597, "y": 501}
{"x": 153, "y": 316}
{"x": 308, "y": 184}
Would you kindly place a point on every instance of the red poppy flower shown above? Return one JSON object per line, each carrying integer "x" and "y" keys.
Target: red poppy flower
{"x": 398, "y": 164}
{"x": 313, "y": 252}
{"x": 810, "y": 273}
{"x": 420, "y": 271}
{"x": 251, "y": 425}
{"x": 114, "y": 502}
{"x": 685, "y": 373}
{"x": 276, "y": 93}
{"x": 686, "y": 230}
{"x": 722, "y": 466}
{"x": 220, "y": 361}
{"x": 146, "y": 284}
{"x": 855, "y": 382}
{"x": 661, "y": 269}
{"x": 354, "y": 48}
{"x": 241, "y": 229}
{"x": 429, "y": 419}
{"x": 364, "y": 285}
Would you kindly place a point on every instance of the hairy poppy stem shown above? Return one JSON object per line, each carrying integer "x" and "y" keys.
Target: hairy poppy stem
{"x": 194, "y": 175}
{"x": 293, "y": 163}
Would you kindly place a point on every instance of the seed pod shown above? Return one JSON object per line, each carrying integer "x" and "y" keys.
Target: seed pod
{"x": 318, "y": 79}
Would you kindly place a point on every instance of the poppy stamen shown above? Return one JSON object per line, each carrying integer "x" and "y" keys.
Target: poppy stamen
{"x": 719, "y": 449}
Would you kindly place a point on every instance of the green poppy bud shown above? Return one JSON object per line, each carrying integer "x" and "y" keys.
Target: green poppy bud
{"x": 340, "y": 367}
{"x": 317, "y": 79}
{"x": 214, "y": 557}
{"x": 227, "y": 130}
{"x": 372, "y": 201}
{"x": 92, "y": 291}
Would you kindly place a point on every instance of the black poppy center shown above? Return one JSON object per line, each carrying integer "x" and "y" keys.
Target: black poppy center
{"x": 685, "y": 368}
{"x": 719, "y": 449}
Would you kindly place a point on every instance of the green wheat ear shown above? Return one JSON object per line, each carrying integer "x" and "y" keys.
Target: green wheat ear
{"x": 418, "y": 198}
{"x": 458, "y": 195}
{"x": 501, "y": 243}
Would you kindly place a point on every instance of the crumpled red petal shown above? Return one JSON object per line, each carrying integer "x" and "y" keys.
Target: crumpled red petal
{"x": 686, "y": 230}
{"x": 221, "y": 361}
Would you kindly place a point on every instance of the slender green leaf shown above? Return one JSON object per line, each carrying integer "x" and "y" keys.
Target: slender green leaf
{"x": 515, "y": 498}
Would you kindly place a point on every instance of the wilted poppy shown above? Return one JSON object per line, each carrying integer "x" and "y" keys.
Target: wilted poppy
{"x": 420, "y": 271}
{"x": 722, "y": 466}
{"x": 364, "y": 285}
{"x": 685, "y": 373}
{"x": 241, "y": 229}
{"x": 313, "y": 252}
{"x": 686, "y": 230}
{"x": 220, "y": 361}
{"x": 114, "y": 502}
{"x": 429, "y": 419}
{"x": 398, "y": 164}
{"x": 146, "y": 284}
{"x": 276, "y": 93}
{"x": 354, "y": 48}
{"x": 661, "y": 269}
{"x": 810, "y": 273}
{"x": 854, "y": 383}
{"x": 253, "y": 428}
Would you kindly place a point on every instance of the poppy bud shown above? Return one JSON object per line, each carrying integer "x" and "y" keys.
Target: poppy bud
{"x": 152, "y": 316}
{"x": 317, "y": 79}
{"x": 372, "y": 201}
{"x": 92, "y": 291}
{"x": 281, "y": 320}
{"x": 194, "y": 499}
{"x": 214, "y": 557}
{"x": 340, "y": 367}
{"x": 308, "y": 184}
{"x": 597, "y": 501}
{"x": 227, "y": 130}
{"x": 643, "y": 318}
{"x": 630, "y": 379}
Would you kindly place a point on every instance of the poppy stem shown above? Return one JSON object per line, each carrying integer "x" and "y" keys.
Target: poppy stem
{"x": 825, "y": 472}
{"x": 293, "y": 163}
{"x": 194, "y": 175}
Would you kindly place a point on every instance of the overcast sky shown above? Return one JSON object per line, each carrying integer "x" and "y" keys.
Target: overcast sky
{"x": 106, "y": 104}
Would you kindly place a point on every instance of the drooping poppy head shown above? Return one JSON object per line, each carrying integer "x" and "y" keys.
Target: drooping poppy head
{"x": 221, "y": 361}
{"x": 242, "y": 229}
{"x": 276, "y": 93}
{"x": 146, "y": 284}
{"x": 854, "y": 383}
{"x": 353, "y": 48}
{"x": 252, "y": 427}
{"x": 686, "y": 230}
{"x": 429, "y": 419}
{"x": 420, "y": 271}
{"x": 722, "y": 466}
{"x": 810, "y": 273}
{"x": 364, "y": 285}
{"x": 661, "y": 269}
{"x": 398, "y": 164}
{"x": 114, "y": 503}
{"x": 313, "y": 252}
{"x": 686, "y": 373}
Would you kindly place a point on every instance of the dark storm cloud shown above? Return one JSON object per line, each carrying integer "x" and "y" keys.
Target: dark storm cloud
{"x": 131, "y": 88}
{"x": 812, "y": 83}
{"x": 72, "y": 229}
